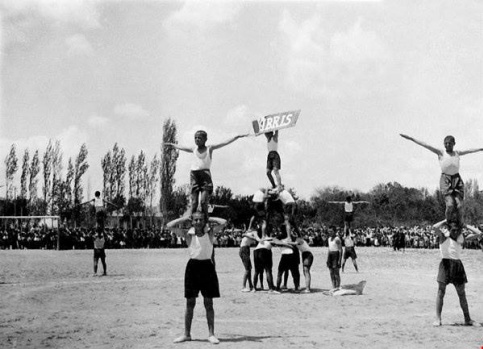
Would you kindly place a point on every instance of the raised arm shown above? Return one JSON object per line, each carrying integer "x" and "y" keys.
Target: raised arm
{"x": 436, "y": 228}
{"x": 220, "y": 221}
{"x": 475, "y": 232}
{"x": 422, "y": 144}
{"x": 228, "y": 141}
{"x": 252, "y": 219}
{"x": 469, "y": 151}
{"x": 178, "y": 221}
{"x": 179, "y": 147}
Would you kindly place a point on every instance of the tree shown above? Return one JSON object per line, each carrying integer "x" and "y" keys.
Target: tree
{"x": 221, "y": 196}
{"x": 11, "y": 166}
{"x": 132, "y": 177}
{"x": 106, "y": 163}
{"x": 57, "y": 191}
{"x": 119, "y": 171}
{"x": 47, "y": 171}
{"x": 114, "y": 171}
{"x": 69, "y": 178}
{"x": 141, "y": 176}
{"x": 80, "y": 168}
{"x": 34, "y": 171}
{"x": 169, "y": 156}
{"x": 152, "y": 180}
{"x": 25, "y": 175}
{"x": 180, "y": 200}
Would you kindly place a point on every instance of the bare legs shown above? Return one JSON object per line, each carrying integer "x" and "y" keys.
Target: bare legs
{"x": 335, "y": 277}
{"x": 353, "y": 262}
{"x": 188, "y": 319}
{"x": 278, "y": 179}
{"x": 104, "y": 266}
{"x": 200, "y": 199}
{"x": 460, "y": 290}
{"x": 454, "y": 208}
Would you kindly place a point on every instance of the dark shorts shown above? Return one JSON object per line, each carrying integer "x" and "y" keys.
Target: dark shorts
{"x": 350, "y": 252}
{"x": 262, "y": 258}
{"x": 200, "y": 275}
{"x": 260, "y": 210}
{"x": 452, "y": 185}
{"x": 289, "y": 209}
{"x": 451, "y": 271}
{"x": 275, "y": 206}
{"x": 307, "y": 259}
{"x": 100, "y": 218}
{"x": 333, "y": 260}
{"x": 99, "y": 253}
{"x": 201, "y": 181}
{"x": 286, "y": 262}
{"x": 348, "y": 217}
{"x": 245, "y": 257}
{"x": 273, "y": 160}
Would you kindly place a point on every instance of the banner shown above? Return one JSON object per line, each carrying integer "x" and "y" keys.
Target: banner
{"x": 275, "y": 122}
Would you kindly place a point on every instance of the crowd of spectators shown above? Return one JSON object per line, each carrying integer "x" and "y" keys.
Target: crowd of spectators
{"x": 117, "y": 238}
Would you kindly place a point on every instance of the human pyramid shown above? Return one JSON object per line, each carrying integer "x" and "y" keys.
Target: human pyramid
{"x": 273, "y": 224}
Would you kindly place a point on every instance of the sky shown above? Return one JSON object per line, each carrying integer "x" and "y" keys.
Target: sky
{"x": 361, "y": 72}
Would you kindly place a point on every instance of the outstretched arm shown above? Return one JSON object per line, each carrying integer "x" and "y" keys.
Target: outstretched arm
{"x": 179, "y": 147}
{"x": 228, "y": 141}
{"x": 251, "y": 235}
{"x": 422, "y": 144}
{"x": 335, "y": 202}
{"x": 87, "y": 202}
{"x": 110, "y": 203}
{"x": 470, "y": 151}
{"x": 360, "y": 202}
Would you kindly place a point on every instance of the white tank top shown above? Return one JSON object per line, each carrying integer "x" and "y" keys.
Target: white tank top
{"x": 272, "y": 145}
{"x": 201, "y": 161}
{"x": 285, "y": 197}
{"x": 98, "y": 202}
{"x": 302, "y": 245}
{"x": 333, "y": 245}
{"x": 348, "y": 207}
{"x": 200, "y": 247}
{"x": 258, "y": 196}
{"x": 450, "y": 165}
{"x": 451, "y": 249}
{"x": 246, "y": 241}
{"x": 99, "y": 243}
{"x": 285, "y": 249}
{"x": 348, "y": 242}
{"x": 264, "y": 244}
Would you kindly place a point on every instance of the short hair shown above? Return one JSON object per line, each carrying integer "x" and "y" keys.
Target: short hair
{"x": 332, "y": 227}
{"x": 449, "y": 138}
{"x": 348, "y": 198}
{"x": 97, "y": 193}
{"x": 202, "y": 132}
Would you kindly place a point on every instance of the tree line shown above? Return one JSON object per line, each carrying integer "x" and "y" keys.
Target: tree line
{"x": 133, "y": 184}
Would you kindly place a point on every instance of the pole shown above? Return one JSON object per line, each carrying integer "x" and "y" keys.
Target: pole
{"x": 58, "y": 236}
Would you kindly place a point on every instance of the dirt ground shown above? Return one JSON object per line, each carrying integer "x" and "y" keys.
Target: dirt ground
{"x": 49, "y": 299}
